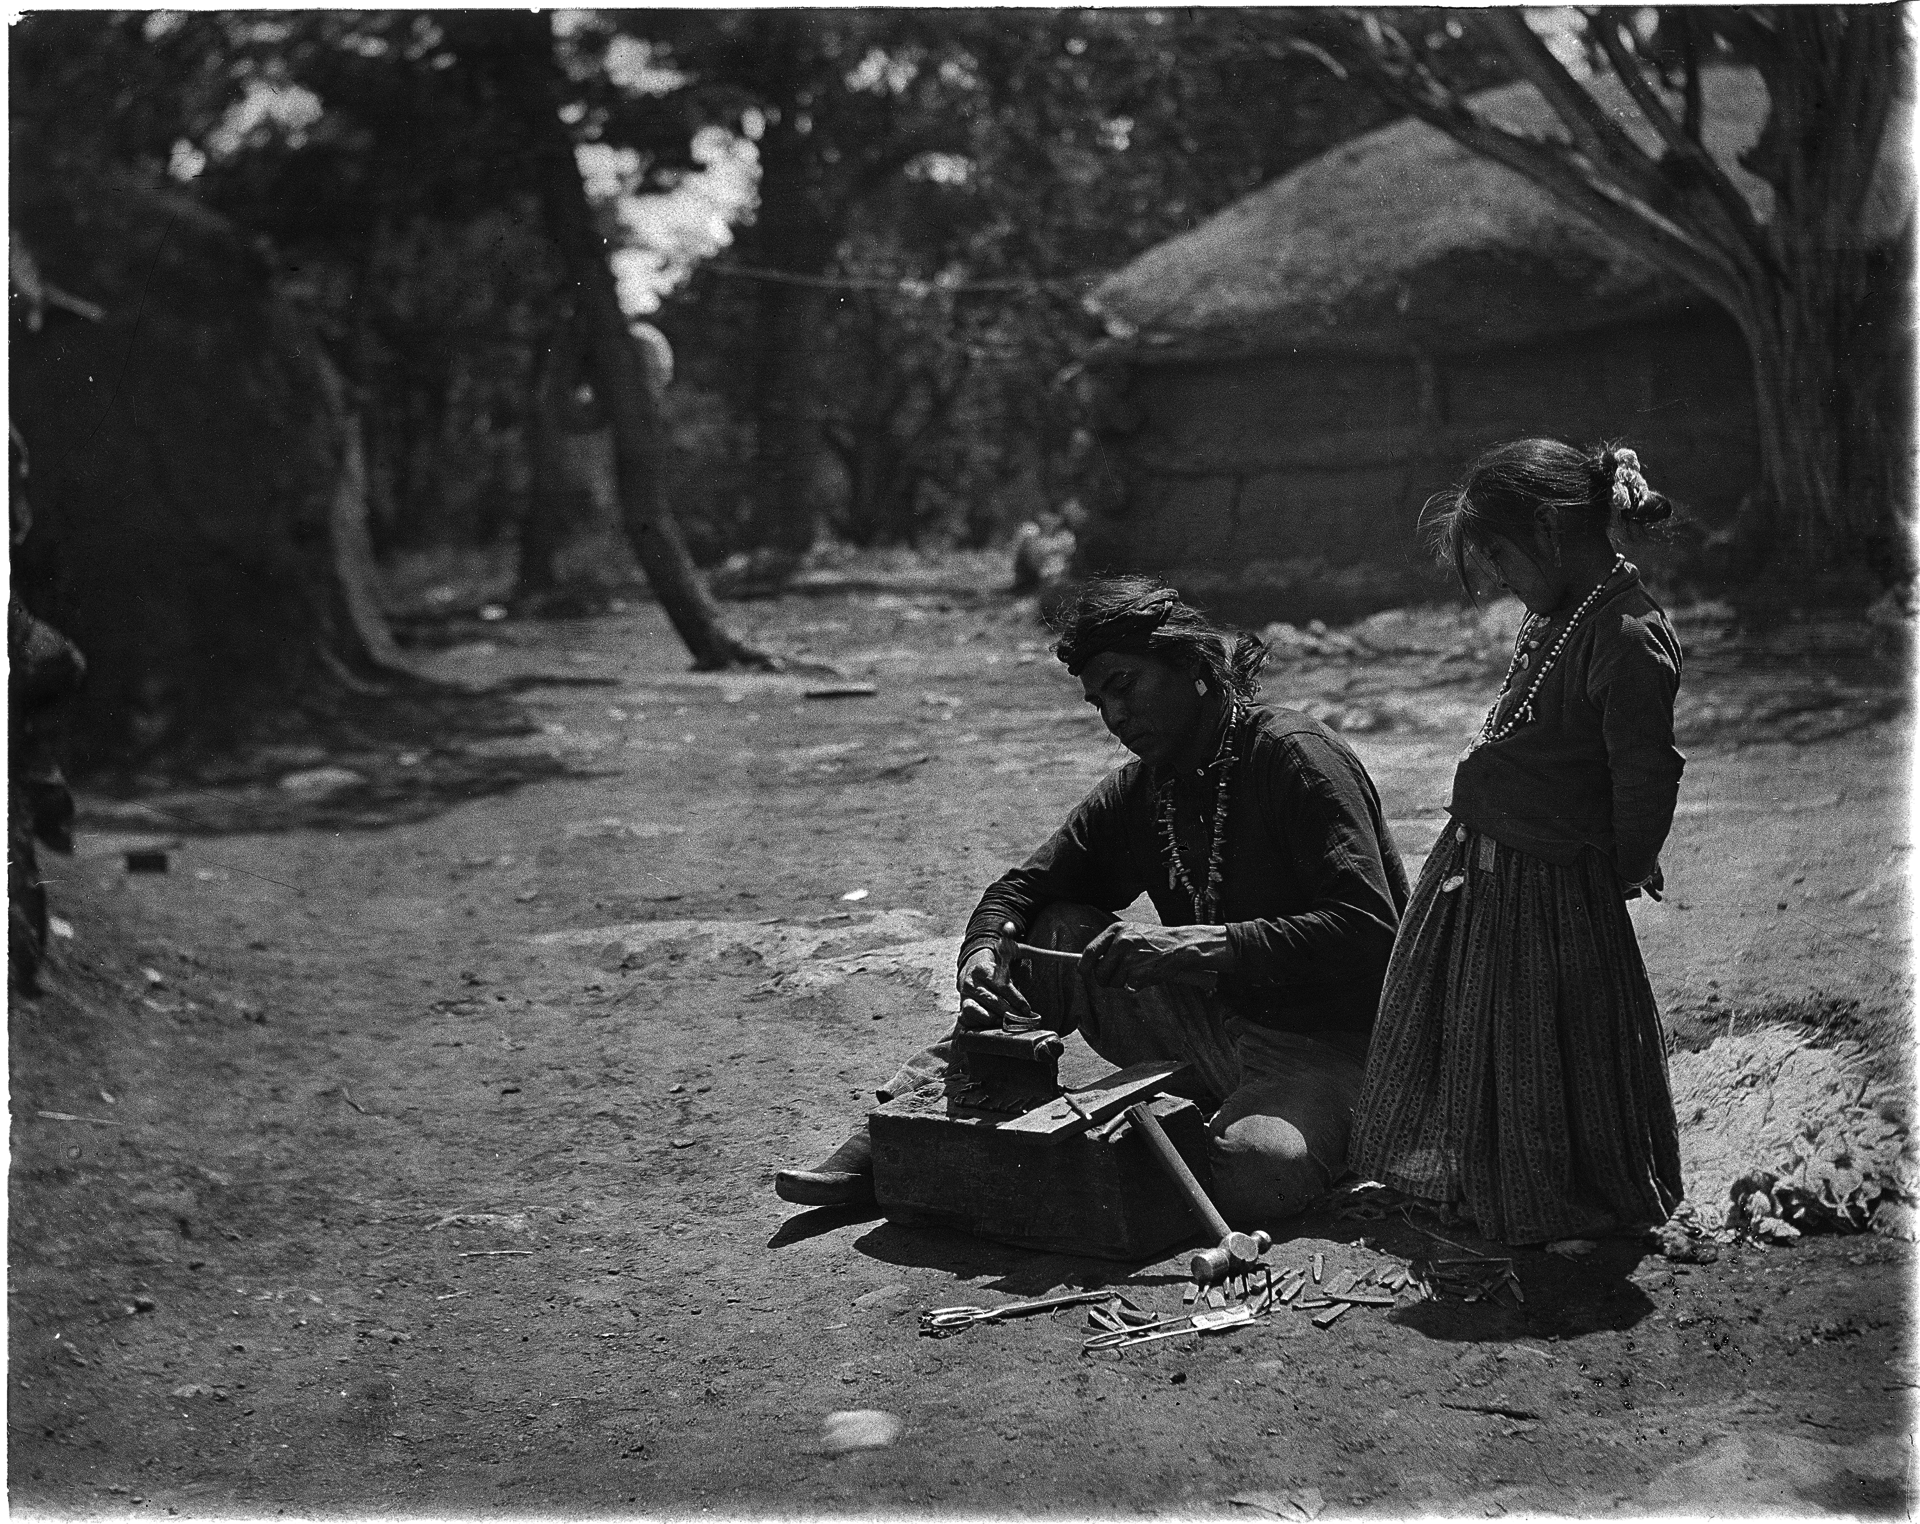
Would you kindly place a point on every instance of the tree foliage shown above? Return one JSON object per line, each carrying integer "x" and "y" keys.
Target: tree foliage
{"x": 886, "y": 349}
{"x": 939, "y": 192}
{"x": 1816, "y": 281}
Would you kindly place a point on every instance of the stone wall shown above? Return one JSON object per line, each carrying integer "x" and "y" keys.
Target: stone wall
{"x": 1288, "y": 487}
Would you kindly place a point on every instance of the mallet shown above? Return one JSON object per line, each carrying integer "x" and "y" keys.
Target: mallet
{"x": 1008, "y": 952}
{"x": 1235, "y": 1253}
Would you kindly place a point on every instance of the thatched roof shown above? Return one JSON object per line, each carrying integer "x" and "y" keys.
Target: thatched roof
{"x": 1403, "y": 239}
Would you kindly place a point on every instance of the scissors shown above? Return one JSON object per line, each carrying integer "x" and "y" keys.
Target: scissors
{"x": 1172, "y": 1328}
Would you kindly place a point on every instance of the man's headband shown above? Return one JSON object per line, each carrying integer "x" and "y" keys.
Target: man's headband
{"x": 1128, "y": 630}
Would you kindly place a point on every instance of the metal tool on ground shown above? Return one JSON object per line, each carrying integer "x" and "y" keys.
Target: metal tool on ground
{"x": 1235, "y": 1253}
{"x": 1472, "y": 1278}
{"x": 941, "y": 1321}
{"x": 1172, "y": 1328}
{"x": 1117, "y": 1316}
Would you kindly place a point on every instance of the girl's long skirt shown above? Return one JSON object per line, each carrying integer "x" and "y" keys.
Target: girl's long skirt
{"x": 1517, "y": 1070}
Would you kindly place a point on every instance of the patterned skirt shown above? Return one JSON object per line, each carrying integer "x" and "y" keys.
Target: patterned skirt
{"x": 1517, "y": 1070}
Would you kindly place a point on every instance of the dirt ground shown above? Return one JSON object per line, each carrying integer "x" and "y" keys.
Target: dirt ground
{"x": 418, "y": 1159}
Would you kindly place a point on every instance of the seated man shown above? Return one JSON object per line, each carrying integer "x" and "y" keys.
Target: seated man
{"x": 1258, "y": 836}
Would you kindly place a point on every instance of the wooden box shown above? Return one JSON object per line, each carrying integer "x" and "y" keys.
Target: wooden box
{"x": 1106, "y": 1197}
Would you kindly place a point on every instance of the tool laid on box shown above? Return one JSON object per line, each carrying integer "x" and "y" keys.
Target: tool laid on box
{"x": 1074, "y": 1113}
{"x": 999, "y": 1149}
{"x": 1051, "y": 1178}
{"x": 1234, "y": 1253}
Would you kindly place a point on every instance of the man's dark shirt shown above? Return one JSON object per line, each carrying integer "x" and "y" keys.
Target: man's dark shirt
{"x": 1312, "y": 883}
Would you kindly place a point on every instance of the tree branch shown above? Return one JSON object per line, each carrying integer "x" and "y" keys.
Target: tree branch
{"x": 1685, "y": 146}
{"x": 1556, "y": 168}
{"x": 840, "y": 439}
{"x": 1594, "y": 132}
{"x": 1751, "y": 38}
{"x": 1874, "y": 45}
{"x": 1690, "y": 65}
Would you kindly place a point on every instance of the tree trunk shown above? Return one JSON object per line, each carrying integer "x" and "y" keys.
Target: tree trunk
{"x": 790, "y": 347}
{"x": 1824, "y": 313}
{"x": 613, "y": 358}
{"x": 355, "y": 575}
{"x": 1822, "y": 345}
{"x": 550, "y": 491}
{"x": 786, "y": 511}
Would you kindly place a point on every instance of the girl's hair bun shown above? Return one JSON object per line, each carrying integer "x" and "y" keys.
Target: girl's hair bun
{"x": 1652, "y": 508}
{"x": 1635, "y": 502}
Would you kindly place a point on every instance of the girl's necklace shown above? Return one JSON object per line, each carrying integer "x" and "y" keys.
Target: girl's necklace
{"x": 1205, "y": 901}
{"x": 1524, "y": 645}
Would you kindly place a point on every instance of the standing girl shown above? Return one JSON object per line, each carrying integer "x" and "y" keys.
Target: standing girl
{"x": 1517, "y": 1072}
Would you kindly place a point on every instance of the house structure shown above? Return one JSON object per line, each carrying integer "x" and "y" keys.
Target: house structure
{"x": 1286, "y": 384}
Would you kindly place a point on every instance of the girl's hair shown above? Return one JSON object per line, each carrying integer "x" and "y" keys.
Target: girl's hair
{"x": 1142, "y": 615}
{"x": 1507, "y": 487}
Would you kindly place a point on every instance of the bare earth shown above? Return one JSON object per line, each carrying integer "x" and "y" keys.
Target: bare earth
{"x": 436, "y": 1170}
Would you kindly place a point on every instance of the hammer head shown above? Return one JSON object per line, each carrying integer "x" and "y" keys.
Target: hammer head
{"x": 1235, "y": 1254}
{"x": 1004, "y": 952}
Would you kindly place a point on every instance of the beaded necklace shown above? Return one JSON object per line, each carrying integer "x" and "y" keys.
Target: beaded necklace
{"x": 1205, "y": 901}
{"x": 1532, "y": 631}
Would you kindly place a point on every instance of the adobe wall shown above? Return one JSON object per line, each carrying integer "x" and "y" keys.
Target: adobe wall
{"x": 1288, "y": 487}
{"x": 184, "y": 461}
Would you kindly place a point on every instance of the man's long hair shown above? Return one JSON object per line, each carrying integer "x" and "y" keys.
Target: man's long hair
{"x": 1136, "y": 614}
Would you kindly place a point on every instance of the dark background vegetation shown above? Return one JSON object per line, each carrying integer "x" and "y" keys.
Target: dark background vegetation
{"x": 374, "y": 290}
{"x": 912, "y": 396}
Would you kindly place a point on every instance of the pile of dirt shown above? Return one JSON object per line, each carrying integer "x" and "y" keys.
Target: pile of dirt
{"x": 1482, "y": 635}
{"x": 798, "y": 960}
{"x": 1765, "y": 1105}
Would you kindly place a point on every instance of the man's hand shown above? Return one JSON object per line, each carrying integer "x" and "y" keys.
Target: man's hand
{"x": 1131, "y": 955}
{"x": 982, "y": 1002}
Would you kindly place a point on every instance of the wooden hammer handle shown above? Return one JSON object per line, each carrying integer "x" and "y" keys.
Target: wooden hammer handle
{"x": 1021, "y": 949}
{"x": 1007, "y": 951}
{"x": 1176, "y": 1168}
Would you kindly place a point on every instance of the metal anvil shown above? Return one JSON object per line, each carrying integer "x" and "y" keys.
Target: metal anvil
{"x": 1016, "y": 1070}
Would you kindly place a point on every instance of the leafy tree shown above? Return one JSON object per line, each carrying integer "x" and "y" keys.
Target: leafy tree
{"x": 1815, "y": 285}
{"x": 513, "y": 58}
{"x": 438, "y": 151}
{"x": 938, "y": 191}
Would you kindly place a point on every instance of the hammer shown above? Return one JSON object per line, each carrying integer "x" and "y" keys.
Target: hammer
{"x": 1235, "y": 1253}
{"x": 1007, "y": 952}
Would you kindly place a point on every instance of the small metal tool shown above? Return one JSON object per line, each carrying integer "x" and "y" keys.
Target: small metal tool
{"x": 941, "y": 1321}
{"x": 1173, "y": 1328}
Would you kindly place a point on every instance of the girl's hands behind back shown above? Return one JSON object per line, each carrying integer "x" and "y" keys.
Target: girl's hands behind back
{"x": 1653, "y": 886}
